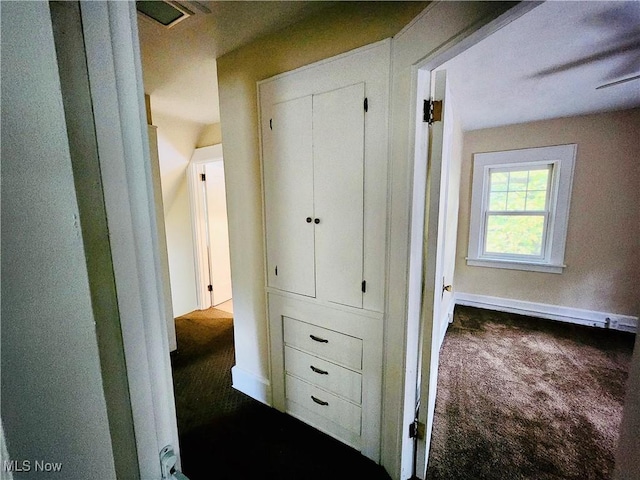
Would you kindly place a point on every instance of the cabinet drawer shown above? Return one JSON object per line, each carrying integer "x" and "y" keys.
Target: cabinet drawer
{"x": 321, "y": 402}
{"x": 327, "y": 375}
{"x": 329, "y": 344}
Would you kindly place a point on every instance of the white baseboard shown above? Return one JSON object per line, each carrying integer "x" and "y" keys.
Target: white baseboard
{"x": 591, "y": 318}
{"x": 249, "y": 384}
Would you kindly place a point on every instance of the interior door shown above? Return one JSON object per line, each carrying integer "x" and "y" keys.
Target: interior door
{"x": 338, "y": 166}
{"x": 436, "y": 262}
{"x": 219, "y": 261}
{"x": 288, "y": 185}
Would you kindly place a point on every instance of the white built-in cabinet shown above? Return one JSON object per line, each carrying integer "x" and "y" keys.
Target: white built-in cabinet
{"x": 314, "y": 195}
{"x": 324, "y": 165}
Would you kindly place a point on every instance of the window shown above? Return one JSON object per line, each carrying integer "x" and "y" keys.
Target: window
{"x": 520, "y": 208}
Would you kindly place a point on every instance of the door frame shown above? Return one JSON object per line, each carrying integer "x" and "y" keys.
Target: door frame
{"x": 413, "y": 64}
{"x": 200, "y": 156}
{"x": 112, "y": 50}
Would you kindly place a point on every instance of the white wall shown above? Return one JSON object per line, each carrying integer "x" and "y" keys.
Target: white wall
{"x": 602, "y": 252}
{"x": 53, "y": 403}
{"x": 177, "y": 139}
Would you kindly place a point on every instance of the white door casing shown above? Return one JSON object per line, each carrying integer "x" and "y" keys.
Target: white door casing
{"x": 433, "y": 266}
{"x": 115, "y": 73}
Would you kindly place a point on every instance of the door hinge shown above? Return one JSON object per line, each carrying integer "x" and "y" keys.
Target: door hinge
{"x": 432, "y": 111}
{"x": 416, "y": 430}
{"x": 203, "y": 177}
{"x": 364, "y": 286}
{"x": 276, "y": 270}
{"x": 366, "y": 104}
{"x": 210, "y": 288}
{"x": 271, "y": 124}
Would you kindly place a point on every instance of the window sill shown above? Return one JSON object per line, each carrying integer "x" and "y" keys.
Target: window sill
{"x": 516, "y": 265}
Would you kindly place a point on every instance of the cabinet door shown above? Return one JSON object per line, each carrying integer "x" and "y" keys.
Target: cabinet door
{"x": 288, "y": 184}
{"x": 338, "y": 159}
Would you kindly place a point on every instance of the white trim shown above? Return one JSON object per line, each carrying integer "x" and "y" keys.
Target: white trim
{"x": 256, "y": 387}
{"x": 340, "y": 56}
{"x": 199, "y": 157}
{"x": 579, "y": 316}
{"x": 115, "y": 76}
{"x": 516, "y": 265}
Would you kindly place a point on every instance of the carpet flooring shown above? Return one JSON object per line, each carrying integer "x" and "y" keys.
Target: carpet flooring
{"x": 523, "y": 398}
{"x": 225, "y": 434}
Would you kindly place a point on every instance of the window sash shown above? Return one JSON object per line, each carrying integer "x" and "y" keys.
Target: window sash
{"x": 517, "y": 256}
{"x": 561, "y": 160}
{"x": 546, "y": 214}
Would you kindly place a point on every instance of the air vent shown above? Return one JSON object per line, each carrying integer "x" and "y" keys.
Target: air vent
{"x": 165, "y": 13}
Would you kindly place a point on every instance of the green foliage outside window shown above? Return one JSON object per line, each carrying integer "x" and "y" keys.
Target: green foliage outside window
{"x": 517, "y": 208}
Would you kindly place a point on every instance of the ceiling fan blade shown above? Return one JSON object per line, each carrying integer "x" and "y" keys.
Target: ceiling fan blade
{"x": 618, "y": 82}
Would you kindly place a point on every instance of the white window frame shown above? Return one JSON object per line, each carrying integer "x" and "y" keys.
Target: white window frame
{"x": 562, "y": 160}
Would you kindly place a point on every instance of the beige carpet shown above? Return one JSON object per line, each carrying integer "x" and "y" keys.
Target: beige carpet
{"x": 522, "y": 398}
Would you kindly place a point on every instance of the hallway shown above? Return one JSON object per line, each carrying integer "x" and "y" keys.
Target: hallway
{"x": 224, "y": 434}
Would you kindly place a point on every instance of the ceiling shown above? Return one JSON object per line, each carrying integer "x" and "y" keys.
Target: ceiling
{"x": 545, "y": 64}
{"x": 179, "y": 64}
{"x": 548, "y": 63}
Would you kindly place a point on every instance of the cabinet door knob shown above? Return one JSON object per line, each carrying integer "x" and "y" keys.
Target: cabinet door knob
{"x": 316, "y": 221}
{"x": 308, "y": 219}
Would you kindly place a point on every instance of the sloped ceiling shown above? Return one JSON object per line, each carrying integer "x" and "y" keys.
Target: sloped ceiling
{"x": 545, "y": 64}
{"x": 179, "y": 63}
{"x": 549, "y": 63}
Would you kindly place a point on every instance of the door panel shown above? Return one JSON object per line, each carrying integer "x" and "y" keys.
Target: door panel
{"x": 218, "y": 232}
{"x": 288, "y": 183}
{"x": 338, "y": 158}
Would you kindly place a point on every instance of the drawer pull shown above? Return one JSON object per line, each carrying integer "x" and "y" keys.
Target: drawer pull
{"x": 319, "y": 402}
{"x": 317, "y": 370}
{"x": 318, "y": 339}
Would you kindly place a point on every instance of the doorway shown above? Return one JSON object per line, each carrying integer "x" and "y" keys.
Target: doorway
{"x": 430, "y": 339}
{"x": 210, "y": 229}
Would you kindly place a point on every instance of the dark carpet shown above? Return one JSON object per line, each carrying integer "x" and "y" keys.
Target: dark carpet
{"x": 225, "y": 434}
{"x": 525, "y": 398}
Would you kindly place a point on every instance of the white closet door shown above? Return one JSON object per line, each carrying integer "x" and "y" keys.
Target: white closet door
{"x": 338, "y": 157}
{"x": 220, "y": 266}
{"x": 288, "y": 183}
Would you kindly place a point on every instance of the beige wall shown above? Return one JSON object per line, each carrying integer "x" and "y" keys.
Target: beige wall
{"x": 335, "y": 30}
{"x": 177, "y": 139}
{"x": 210, "y": 135}
{"x": 602, "y": 253}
